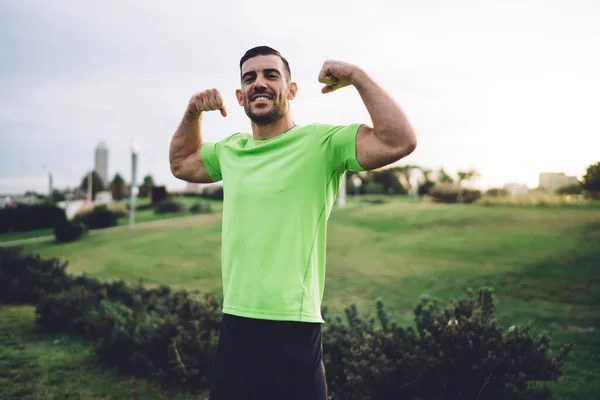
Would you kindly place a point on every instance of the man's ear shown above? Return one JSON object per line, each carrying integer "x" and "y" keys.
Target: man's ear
{"x": 292, "y": 90}
{"x": 238, "y": 94}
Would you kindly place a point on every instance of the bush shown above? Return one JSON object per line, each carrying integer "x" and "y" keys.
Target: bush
{"x": 29, "y": 218}
{"x": 459, "y": 351}
{"x": 450, "y": 193}
{"x": 468, "y": 196}
{"x": 168, "y": 336}
{"x": 214, "y": 192}
{"x": 69, "y": 231}
{"x": 536, "y": 199}
{"x": 170, "y": 206}
{"x": 444, "y": 193}
{"x": 116, "y": 208}
{"x": 371, "y": 187}
{"x": 100, "y": 216}
{"x": 497, "y": 192}
{"x": 570, "y": 189}
{"x": 200, "y": 208}
{"x": 425, "y": 187}
{"x": 174, "y": 343}
{"x": 25, "y": 279}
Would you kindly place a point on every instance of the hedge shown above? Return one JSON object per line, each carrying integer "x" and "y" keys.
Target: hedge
{"x": 29, "y": 218}
{"x": 457, "y": 351}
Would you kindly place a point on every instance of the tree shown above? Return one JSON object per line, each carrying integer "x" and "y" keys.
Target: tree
{"x": 97, "y": 185}
{"x": 389, "y": 181}
{"x": 117, "y": 187}
{"x": 591, "y": 181}
{"x": 466, "y": 175}
{"x": 569, "y": 189}
{"x": 427, "y": 184}
{"x": 146, "y": 186}
{"x": 148, "y": 181}
{"x": 443, "y": 177}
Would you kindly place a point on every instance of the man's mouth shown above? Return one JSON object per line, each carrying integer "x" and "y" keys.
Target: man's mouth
{"x": 261, "y": 97}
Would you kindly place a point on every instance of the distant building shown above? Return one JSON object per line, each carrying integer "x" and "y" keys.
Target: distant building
{"x": 555, "y": 180}
{"x": 193, "y": 187}
{"x": 516, "y": 189}
{"x": 101, "y": 162}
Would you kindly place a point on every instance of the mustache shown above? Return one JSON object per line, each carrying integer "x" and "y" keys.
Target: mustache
{"x": 256, "y": 92}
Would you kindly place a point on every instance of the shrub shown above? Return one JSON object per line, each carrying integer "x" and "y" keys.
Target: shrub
{"x": 425, "y": 187}
{"x": 68, "y": 231}
{"x": 497, "y": 192}
{"x": 444, "y": 193}
{"x": 469, "y": 195}
{"x": 159, "y": 194}
{"x": 371, "y": 187}
{"x": 28, "y": 218}
{"x": 450, "y": 193}
{"x": 69, "y": 311}
{"x": 213, "y": 192}
{"x": 459, "y": 351}
{"x": 170, "y": 206}
{"x": 26, "y": 278}
{"x": 570, "y": 189}
{"x": 118, "y": 209}
{"x": 200, "y": 208}
{"x": 99, "y": 217}
{"x": 174, "y": 343}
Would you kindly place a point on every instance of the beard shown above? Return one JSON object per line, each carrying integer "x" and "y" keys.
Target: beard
{"x": 275, "y": 113}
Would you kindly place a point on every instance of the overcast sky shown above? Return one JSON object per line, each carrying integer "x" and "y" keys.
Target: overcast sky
{"x": 508, "y": 89}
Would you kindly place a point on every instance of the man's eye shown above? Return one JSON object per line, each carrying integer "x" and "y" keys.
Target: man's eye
{"x": 272, "y": 76}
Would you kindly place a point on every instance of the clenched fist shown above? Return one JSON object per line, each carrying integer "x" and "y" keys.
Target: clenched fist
{"x": 208, "y": 100}
{"x": 336, "y": 75}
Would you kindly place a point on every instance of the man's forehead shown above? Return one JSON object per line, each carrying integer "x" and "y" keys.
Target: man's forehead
{"x": 260, "y": 63}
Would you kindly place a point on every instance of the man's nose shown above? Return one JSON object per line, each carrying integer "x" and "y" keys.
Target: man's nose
{"x": 259, "y": 83}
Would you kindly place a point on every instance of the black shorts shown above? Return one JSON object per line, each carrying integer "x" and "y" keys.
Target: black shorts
{"x": 268, "y": 360}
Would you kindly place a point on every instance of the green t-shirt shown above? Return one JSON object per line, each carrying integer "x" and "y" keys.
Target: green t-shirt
{"x": 278, "y": 195}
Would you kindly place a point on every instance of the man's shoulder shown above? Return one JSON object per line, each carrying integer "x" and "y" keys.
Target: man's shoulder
{"x": 326, "y": 129}
{"x": 235, "y": 139}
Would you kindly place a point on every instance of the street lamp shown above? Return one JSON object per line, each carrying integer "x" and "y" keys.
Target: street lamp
{"x": 135, "y": 149}
{"x": 356, "y": 182}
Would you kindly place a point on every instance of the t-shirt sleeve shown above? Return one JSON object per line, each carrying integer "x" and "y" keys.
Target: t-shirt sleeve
{"x": 343, "y": 147}
{"x": 210, "y": 153}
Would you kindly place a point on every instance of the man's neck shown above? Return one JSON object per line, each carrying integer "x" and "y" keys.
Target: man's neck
{"x": 264, "y": 132}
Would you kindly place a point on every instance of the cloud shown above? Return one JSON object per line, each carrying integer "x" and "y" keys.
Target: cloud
{"x": 484, "y": 84}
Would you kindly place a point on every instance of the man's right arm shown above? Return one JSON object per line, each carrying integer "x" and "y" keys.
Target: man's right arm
{"x": 185, "y": 156}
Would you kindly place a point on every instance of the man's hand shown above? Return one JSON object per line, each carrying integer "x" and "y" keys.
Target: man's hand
{"x": 336, "y": 75}
{"x": 208, "y": 100}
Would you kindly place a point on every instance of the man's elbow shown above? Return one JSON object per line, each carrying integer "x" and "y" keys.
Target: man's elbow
{"x": 407, "y": 146}
{"x": 176, "y": 170}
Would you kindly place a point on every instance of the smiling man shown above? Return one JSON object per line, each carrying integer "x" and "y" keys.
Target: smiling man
{"x": 280, "y": 183}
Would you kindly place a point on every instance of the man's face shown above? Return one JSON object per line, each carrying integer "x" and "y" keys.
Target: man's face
{"x": 265, "y": 92}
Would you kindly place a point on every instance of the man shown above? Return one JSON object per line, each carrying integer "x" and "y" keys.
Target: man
{"x": 280, "y": 184}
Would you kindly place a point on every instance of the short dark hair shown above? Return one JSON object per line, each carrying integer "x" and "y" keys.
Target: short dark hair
{"x": 265, "y": 51}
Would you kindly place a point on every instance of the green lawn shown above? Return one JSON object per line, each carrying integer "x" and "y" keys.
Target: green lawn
{"x": 543, "y": 263}
{"x": 42, "y": 366}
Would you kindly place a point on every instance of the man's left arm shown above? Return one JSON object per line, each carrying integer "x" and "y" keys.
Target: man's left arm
{"x": 391, "y": 138}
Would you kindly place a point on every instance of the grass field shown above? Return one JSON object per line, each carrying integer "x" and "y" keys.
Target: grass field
{"x": 543, "y": 263}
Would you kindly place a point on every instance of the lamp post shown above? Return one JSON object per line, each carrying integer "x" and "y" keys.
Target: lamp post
{"x": 357, "y": 182}
{"x": 135, "y": 149}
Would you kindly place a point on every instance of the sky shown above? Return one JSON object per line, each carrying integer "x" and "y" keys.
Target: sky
{"x": 510, "y": 88}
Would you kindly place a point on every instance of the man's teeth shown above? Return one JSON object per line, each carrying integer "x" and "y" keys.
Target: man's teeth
{"x": 261, "y": 98}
